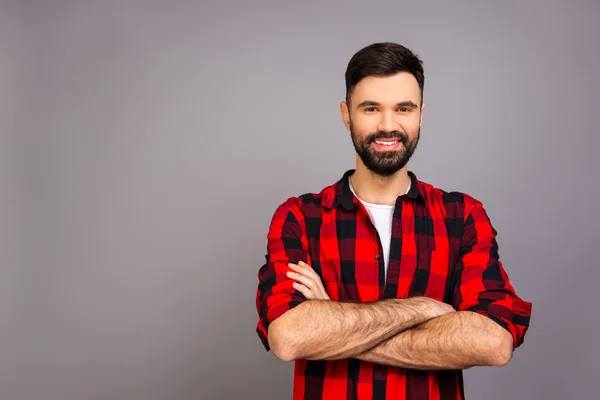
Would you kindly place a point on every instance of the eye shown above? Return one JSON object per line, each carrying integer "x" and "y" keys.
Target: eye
{"x": 370, "y": 109}
{"x": 404, "y": 109}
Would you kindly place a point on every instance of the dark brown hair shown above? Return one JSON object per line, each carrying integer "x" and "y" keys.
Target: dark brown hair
{"x": 383, "y": 59}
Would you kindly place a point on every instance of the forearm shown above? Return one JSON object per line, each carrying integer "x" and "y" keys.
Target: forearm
{"x": 323, "y": 329}
{"x": 453, "y": 341}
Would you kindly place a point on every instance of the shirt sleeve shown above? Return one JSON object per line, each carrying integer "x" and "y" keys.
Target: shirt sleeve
{"x": 481, "y": 284}
{"x": 286, "y": 242}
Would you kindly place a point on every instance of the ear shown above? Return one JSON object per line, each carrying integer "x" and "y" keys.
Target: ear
{"x": 345, "y": 114}
{"x": 421, "y": 118}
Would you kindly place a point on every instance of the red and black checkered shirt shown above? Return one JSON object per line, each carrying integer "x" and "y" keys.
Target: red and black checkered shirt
{"x": 443, "y": 246}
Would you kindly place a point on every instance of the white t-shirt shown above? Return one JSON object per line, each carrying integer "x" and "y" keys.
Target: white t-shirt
{"x": 382, "y": 216}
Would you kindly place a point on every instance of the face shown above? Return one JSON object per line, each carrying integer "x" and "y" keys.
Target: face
{"x": 384, "y": 118}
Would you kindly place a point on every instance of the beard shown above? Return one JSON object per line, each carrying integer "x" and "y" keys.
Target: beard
{"x": 384, "y": 163}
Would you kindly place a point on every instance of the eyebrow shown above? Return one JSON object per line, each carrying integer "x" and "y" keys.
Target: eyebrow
{"x": 407, "y": 103}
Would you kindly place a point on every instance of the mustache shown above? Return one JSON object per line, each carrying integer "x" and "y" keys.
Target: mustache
{"x": 401, "y": 136}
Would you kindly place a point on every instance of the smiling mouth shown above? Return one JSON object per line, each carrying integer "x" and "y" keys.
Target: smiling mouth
{"x": 387, "y": 145}
{"x": 387, "y": 142}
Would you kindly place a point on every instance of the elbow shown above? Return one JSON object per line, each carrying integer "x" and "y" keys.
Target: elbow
{"x": 503, "y": 351}
{"x": 280, "y": 343}
{"x": 283, "y": 352}
{"x": 500, "y": 358}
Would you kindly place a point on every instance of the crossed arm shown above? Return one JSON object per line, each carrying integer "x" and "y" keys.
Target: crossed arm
{"x": 417, "y": 333}
{"x": 486, "y": 321}
{"x": 456, "y": 340}
{"x": 322, "y": 329}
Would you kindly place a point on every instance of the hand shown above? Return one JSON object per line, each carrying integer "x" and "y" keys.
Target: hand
{"x": 308, "y": 282}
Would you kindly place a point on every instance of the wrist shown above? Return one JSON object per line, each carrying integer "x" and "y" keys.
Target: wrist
{"x": 416, "y": 310}
{"x": 427, "y": 308}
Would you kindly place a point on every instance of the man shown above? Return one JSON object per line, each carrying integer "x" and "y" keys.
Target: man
{"x": 382, "y": 286}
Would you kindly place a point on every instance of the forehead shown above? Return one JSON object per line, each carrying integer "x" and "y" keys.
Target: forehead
{"x": 387, "y": 89}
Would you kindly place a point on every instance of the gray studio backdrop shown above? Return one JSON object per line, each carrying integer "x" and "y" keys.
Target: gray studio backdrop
{"x": 145, "y": 147}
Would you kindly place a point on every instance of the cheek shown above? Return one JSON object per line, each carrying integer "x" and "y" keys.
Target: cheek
{"x": 411, "y": 126}
{"x": 363, "y": 127}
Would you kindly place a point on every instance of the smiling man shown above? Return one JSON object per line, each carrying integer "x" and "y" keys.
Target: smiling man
{"x": 382, "y": 286}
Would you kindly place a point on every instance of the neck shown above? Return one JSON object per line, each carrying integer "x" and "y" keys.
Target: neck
{"x": 377, "y": 189}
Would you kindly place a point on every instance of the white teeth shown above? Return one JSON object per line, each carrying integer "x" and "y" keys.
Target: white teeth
{"x": 386, "y": 143}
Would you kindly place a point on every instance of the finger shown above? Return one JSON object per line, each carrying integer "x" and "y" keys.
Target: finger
{"x": 304, "y": 270}
{"x": 304, "y": 265}
{"x": 316, "y": 287}
{"x": 303, "y": 279}
{"x": 307, "y": 269}
{"x": 323, "y": 292}
{"x": 304, "y": 290}
{"x": 297, "y": 267}
{"x": 308, "y": 292}
{"x": 293, "y": 266}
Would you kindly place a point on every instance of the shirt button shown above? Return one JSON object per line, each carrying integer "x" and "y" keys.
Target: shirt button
{"x": 378, "y": 257}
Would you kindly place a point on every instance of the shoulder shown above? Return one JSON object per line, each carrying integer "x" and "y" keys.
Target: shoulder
{"x": 306, "y": 205}
{"x": 455, "y": 203}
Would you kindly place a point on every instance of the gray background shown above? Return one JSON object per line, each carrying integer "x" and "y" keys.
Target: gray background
{"x": 145, "y": 147}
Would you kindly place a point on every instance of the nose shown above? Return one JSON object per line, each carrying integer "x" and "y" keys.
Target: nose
{"x": 387, "y": 122}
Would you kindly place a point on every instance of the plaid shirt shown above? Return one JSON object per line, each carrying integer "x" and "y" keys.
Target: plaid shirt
{"x": 443, "y": 246}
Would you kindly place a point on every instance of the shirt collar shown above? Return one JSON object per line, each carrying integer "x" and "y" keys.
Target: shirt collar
{"x": 342, "y": 195}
